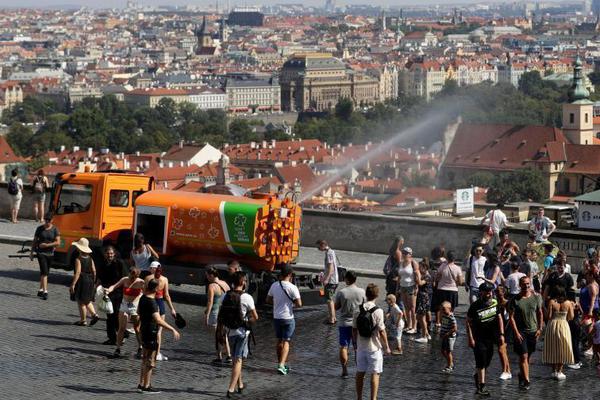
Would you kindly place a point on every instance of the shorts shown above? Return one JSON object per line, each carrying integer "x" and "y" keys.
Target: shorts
{"x": 396, "y": 332}
{"x": 212, "y": 320}
{"x": 484, "y": 351}
{"x": 408, "y": 290}
{"x": 450, "y": 296}
{"x": 330, "y": 291}
{"x": 45, "y": 261}
{"x": 473, "y": 294}
{"x": 128, "y": 308}
{"x": 150, "y": 341}
{"x": 149, "y": 356}
{"x": 448, "y": 344}
{"x": 15, "y": 201}
{"x": 345, "y": 333}
{"x": 39, "y": 197}
{"x": 160, "y": 302}
{"x": 284, "y": 328}
{"x": 527, "y": 346}
{"x": 239, "y": 346}
{"x": 369, "y": 362}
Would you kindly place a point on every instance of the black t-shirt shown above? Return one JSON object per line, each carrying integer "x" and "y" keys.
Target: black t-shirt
{"x": 44, "y": 235}
{"x": 484, "y": 319}
{"x": 148, "y": 326}
{"x": 565, "y": 281}
{"x": 111, "y": 273}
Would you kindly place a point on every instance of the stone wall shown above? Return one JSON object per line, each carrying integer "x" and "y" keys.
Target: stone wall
{"x": 374, "y": 233}
{"x": 26, "y": 210}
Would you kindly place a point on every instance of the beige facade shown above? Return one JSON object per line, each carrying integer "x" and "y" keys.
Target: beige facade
{"x": 317, "y": 81}
{"x": 151, "y": 97}
{"x": 10, "y": 94}
{"x": 423, "y": 79}
{"x": 253, "y": 95}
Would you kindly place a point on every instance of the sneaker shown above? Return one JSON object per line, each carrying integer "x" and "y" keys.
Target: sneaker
{"x": 215, "y": 361}
{"x": 140, "y": 388}
{"x": 505, "y": 376}
{"x": 345, "y": 375}
{"x": 574, "y": 366}
{"x": 287, "y": 369}
{"x": 138, "y": 355}
{"x": 448, "y": 370}
{"x": 40, "y": 293}
{"x": 526, "y": 385}
{"x": 396, "y": 352}
{"x": 150, "y": 390}
{"x": 589, "y": 352}
{"x": 560, "y": 376}
{"x": 482, "y": 390}
{"x": 228, "y": 360}
{"x": 94, "y": 319}
{"x": 429, "y": 337}
{"x": 161, "y": 357}
{"x": 45, "y": 296}
{"x": 281, "y": 370}
{"x": 421, "y": 340}
{"x": 411, "y": 331}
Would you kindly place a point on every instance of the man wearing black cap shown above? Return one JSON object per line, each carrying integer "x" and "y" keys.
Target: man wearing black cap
{"x": 484, "y": 328}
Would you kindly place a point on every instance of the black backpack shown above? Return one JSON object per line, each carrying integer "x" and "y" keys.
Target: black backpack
{"x": 230, "y": 312}
{"x": 364, "y": 321}
{"x": 13, "y": 188}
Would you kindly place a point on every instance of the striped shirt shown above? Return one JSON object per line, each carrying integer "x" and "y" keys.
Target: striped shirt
{"x": 448, "y": 321}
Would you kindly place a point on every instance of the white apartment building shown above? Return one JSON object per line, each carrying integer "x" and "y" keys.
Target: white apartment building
{"x": 208, "y": 98}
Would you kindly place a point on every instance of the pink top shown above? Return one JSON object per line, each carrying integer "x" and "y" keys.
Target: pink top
{"x": 448, "y": 276}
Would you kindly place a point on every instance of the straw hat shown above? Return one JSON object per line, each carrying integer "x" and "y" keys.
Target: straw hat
{"x": 83, "y": 245}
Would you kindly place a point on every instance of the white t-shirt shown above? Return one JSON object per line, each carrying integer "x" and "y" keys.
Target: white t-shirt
{"x": 372, "y": 343}
{"x": 512, "y": 282}
{"x": 246, "y": 305}
{"x": 330, "y": 258}
{"x": 496, "y": 219}
{"x": 283, "y": 307}
{"x": 477, "y": 271}
{"x": 540, "y": 226}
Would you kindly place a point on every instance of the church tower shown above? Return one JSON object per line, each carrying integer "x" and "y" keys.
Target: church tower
{"x": 204, "y": 38}
{"x": 577, "y": 115}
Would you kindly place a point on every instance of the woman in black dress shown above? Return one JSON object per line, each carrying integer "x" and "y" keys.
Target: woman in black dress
{"x": 82, "y": 286}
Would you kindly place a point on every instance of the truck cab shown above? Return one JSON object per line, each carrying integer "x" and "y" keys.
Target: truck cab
{"x": 96, "y": 205}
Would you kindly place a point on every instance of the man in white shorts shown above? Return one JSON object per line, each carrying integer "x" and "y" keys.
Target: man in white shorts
{"x": 369, "y": 355}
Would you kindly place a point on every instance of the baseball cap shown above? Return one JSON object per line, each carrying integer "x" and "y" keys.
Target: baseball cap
{"x": 486, "y": 287}
{"x": 590, "y": 252}
{"x": 154, "y": 264}
{"x": 407, "y": 250}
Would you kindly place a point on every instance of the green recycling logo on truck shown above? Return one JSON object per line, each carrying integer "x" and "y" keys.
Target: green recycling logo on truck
{"x": 238, "y": 220}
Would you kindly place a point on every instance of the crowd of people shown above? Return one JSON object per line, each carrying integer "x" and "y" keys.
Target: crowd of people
{"x": 516, "y": 297}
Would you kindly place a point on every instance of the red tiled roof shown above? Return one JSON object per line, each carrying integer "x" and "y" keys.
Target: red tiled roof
{"x": 7, "y": 155}
{"x": 302, "y": 172}
{"x": 427, "y": 195}
{"x": 582, "y": 159}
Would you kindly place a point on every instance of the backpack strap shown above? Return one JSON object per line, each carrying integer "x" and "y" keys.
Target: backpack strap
{"x": 286, "y": 293}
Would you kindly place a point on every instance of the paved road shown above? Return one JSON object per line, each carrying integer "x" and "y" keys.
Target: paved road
{"x": 45, "y": 357}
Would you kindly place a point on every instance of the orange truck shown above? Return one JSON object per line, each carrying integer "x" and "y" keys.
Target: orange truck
{"x": 188, "y": 230}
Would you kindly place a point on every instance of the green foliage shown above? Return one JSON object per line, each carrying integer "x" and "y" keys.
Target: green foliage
{"x": 344, "y": 109}
{"x": 19, "y": 138}
{"x": 481, "y": 179}
{"x": 532, "y": 85}
{"x": 594, "y": 78}
{"x": 526, "y": 184}
{"x": 32, "y": 109}
{"x": 417, "y": 179}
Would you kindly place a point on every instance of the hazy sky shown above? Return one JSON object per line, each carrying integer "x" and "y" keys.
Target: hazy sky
{"x": 121, "y": 3}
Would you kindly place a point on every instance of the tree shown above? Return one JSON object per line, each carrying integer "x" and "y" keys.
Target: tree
{"x": 344, "y": 109}
{"x": 481, "y": 179}
{"x": 240, "y": 131}
{"x": 526, "y": 184}
{"x": 19, "y": 138}
{"x": 450, "y": 88}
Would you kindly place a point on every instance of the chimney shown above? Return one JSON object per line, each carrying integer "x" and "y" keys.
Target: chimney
{"x": 252, "y": 145}
{"x": 62, "y": 148}
{"x": 273, "y": 143}
{"x": 181, "y": 163}
{"x": 161, "y": 164}
{"x": 226, "y": 145}
{"x": 90, "y": 152}
{"x": 409, "y": 150}
{"x": 264, "y": 144}
{"x": 75, "y": 149}
{"x": 223, "y": 171}
{"x": 170, "y": 164}
{"x": 137, "y": 153}
{"x": 181, "y": 142}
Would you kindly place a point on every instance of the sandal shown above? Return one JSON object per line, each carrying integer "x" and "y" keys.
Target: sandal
{"x": 80, "y": 323}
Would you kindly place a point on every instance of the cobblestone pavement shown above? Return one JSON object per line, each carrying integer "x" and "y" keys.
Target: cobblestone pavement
{"x": 46, "y": 357}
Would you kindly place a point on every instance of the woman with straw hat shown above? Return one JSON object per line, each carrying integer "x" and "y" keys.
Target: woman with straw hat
{"x": 82, "y": 286}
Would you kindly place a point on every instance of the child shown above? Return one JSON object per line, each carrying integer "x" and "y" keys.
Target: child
{"x": 395, "y": 322}
{"x": 448, "y": 335}
{"x": 596, "y": 338}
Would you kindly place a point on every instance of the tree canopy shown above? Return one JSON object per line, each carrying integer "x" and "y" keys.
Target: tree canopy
{"x": 525, "y": 184}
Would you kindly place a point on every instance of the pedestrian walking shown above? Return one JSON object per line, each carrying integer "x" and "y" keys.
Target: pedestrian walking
{"x": 236, "y": 313}
{"x": 475, "y": 272}
{"x": 448, "y": 278}
{"x": 448, "y": 330}
{"x": 347, "y": 302}
{"x": 390, "y": 269}
{"x": 394, "y": 320}
{"x": 162, "y": 298}
{"x": 15, "y": 194}
{"x": 45, "y": 239}
{"x": 82, "y": 285}
{"x": 132, "y": 286}
{"x": 494, "y": 222}
{"x": 424, "y": 291}
{"x": 110, "y": 271}
{"x": 557, "y": 337}
{"x": 512, "y": 281}
{"x": 368, "y": 329}
{"x": 329, "y": 279}
{"x": 502, "y": 299}
{"x": 39, "y": 185}
{"x": 233, "y": 266}
{"x": 284, "y": 296}
{"x": 409, "y": 276}
{"x": 215, "y": 292}
{"x": 484, "y": 328}
{"x": 526, "y": 319}
{"x": 150, "y": 324}
{"x": 142, "y": 255}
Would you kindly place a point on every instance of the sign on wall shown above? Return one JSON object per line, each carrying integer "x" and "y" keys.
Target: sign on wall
{"x": 465, "y": 203}
{"x": 589, "y": 216}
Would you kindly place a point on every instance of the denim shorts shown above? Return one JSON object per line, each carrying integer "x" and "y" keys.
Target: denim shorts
{"x": 448, "y": 343}
{"x": 345, "y": 333}
{"x": 239, "y": 345}
{"x": 284, "y": 328}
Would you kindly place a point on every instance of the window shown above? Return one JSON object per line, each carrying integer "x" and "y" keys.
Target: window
{"x": 74, "y": 198}
{"x": 118, "y": 198}
{"x": 135, "y": 195}
{"x": 586, "y": 118}
{"x": 572, "y": 118}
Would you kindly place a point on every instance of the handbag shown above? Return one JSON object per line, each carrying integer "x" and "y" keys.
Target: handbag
{"x": 104, "y": 304}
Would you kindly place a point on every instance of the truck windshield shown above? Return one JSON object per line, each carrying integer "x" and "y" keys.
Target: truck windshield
{"x": 74, "y": 198}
